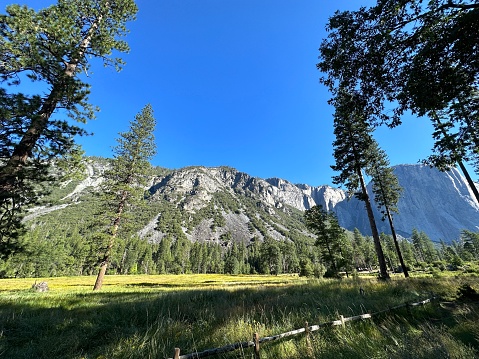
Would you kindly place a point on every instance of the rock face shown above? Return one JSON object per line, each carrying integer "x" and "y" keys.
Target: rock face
{"x": 438, "y": 203}
{"x": 221, "y": 201}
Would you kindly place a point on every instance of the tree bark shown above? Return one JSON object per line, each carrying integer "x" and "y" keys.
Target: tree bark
{"x": 396, "y": 244}
{"x": 114, "y": 232}
{"x": 383, "y": 273}
{"x": 24, "y": 149}
{"x": 100, "y": 276}
{"x": 469, "y": 180}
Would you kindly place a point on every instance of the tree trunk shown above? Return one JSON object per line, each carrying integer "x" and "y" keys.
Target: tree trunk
{"x": 383, "y": 273}
{"x": 101, "y": 275}
{"x": 461, "y": 165}
{"x": 114, "y": 231}
{"x": 393, "y": 232}
{"x": 396, "y": 244}
{"x": 106, "y": 259}
{"x": 469, "y": 180}
{"x": 24, "y": 149}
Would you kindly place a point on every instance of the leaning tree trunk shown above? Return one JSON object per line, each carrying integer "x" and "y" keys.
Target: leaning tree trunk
{"x": 114, "y": 231}
{"x": 396, "y": 244}
{"x": 383, "y": 273}
{"x": 469, "y": 180}
{"x": 22, "y": 151}
{"x": 393, "y": 230}
{"x": 39, "y": 123}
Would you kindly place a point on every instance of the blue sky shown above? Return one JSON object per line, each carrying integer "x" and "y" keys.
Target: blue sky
{"x": 234, "y": 83}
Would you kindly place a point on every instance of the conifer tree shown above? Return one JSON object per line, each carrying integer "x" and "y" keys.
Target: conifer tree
{"x": 417, "y": 56}
{"x": 270, "y": 257}
{"x": 471, "y": 242}
{"x": 125, "y": 181}
{"x": 387, "y": 191}
{"x": 424, "y": 246}
{"x": 352, "y": 156}
{"x": 330, "y": 238}
{"x": 51, "y": 47}
{"x": 359, "y": 250}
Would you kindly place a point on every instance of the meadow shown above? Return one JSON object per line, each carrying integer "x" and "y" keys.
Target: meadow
{"x": 148, "y": 316}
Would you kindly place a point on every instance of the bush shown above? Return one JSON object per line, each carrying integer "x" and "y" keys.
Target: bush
{"x": 319, "y": 270}
{"x": 306, "y": 268}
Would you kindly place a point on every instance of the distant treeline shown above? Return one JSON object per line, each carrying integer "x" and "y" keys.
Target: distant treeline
{"x": 66, "y": 251}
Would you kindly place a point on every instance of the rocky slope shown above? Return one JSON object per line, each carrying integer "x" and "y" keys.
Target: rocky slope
{"x": 440, "y": 204}
{"x": 221, "y": 202}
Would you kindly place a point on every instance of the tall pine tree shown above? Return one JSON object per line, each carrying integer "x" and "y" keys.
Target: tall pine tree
{"x": 351, "y": 153}
{"x": 125, "y": 181}
{"x": 386, "y": 190}
{"x": 51, "y": 47}
{"x": 417, "y": 56}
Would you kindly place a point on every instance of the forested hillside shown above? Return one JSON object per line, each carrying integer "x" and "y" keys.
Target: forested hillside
{"x": 198, "y": 220}
{"x": 126, "y": 216}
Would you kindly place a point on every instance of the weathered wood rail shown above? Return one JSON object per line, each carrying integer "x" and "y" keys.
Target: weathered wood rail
{"x": 307, "y": 329}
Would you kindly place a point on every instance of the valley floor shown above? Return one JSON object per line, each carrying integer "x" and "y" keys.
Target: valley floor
{"x": 149, "y": 316}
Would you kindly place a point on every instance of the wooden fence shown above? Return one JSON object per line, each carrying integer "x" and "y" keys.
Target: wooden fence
{"x": 307, "y": 329}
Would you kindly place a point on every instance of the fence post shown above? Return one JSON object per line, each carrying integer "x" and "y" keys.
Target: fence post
{"x": 256, "y": 345}
{"x": 308, "y": 340}
{"x": 177, "y": 353}
{"x": 341, "y": 317}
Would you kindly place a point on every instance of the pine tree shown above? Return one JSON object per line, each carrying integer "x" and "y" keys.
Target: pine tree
{"x": 330, "y": 238}
{"x": 418, "y": 245}
{"x": 423, "y": 246}
{"x": 126, "y": 179}
{"x": 351, "y": 153}
{"x": 51, "y": 47}
{"x": 359, "y": 250}
{"x": 386, "y": 190}
{"x": 407, "y": 251}
{"x": 270, "y": 257}
{"x": 417, "y": 56}
{"x": 471, "y": 242}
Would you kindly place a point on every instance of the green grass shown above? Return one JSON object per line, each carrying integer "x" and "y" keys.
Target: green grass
{"x": 148, "y": 316}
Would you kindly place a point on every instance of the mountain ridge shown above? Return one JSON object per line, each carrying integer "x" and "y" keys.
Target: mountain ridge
{"x": 211, "y": 203}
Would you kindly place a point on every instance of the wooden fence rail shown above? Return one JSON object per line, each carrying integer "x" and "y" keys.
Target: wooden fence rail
{"x": 307, "y": 329}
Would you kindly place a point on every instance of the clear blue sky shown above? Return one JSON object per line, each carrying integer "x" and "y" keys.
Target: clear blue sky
{"x": 232, "y": 82}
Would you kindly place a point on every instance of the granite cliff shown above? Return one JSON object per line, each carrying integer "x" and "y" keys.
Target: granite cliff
{"x": 211, "y": 203}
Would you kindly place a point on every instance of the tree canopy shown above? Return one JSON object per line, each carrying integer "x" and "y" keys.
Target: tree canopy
{"x": 415, "y": 56}
{"x": 126, "y": 180}
{"x": 52, "y": 48}
{"x": 335, "y": 248}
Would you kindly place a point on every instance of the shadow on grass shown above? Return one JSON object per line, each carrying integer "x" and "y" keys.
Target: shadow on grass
{"x": 92, "y": 324}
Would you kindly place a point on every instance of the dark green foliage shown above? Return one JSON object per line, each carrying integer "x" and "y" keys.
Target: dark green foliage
{"x": 66, "y": 242}
{"x": 385, "y": 185}
{"x": 353, "y": 141}
{"x": 51, "y": 47}
{"x": 387, "y": 191}
{"x": 364, "y": 256}
{"x": 471, "y": 243}
{"x": 354, "y": 152}
{"x": 335, "y": 247}
{"x": 423, "y": 246}
{"x": 125, "y": 180}
{"x": 411, "y": 55}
